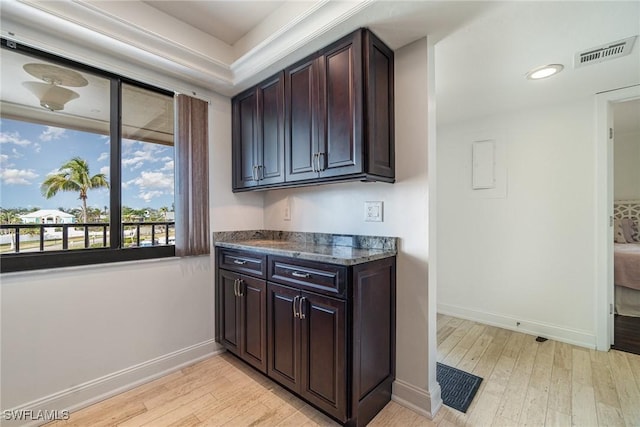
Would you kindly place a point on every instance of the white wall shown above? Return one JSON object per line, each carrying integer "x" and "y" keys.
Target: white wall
{"x": 71, "y": 326}
{"x": 526, "y": 254}
{"x": 229, "y": 211}
{"x": 339, "y": 208}
{"x": 626, "y": 166}
{"x": 70, "y": 336}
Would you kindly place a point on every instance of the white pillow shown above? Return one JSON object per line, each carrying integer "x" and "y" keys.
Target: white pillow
{"x": 628, "y": 228}
{"x": 618, "y": 232}
{"x": 635, "y": 230}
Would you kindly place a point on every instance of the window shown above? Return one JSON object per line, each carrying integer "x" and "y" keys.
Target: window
{"x": 87, "y": 164}
{"x": 148, "y": 209}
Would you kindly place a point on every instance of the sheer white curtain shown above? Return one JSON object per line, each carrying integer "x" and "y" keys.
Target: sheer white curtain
{"x": 192, "y": 177}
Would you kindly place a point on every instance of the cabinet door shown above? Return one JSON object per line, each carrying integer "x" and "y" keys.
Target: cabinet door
{"x": 341, "y": 135}
{"x": 379, "y": 76}
{"x": 323, "y": 352}
{"x": 301, "y": 137}
{"x": 229, "y": 307}
{"x": 244, "y": 144}
{"x": 253, "y": 312}
{"x": 271, "y": 130}
{"x": 283, "y": 335}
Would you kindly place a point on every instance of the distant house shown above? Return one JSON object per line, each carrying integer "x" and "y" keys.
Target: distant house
{"x": 48, "y": 216}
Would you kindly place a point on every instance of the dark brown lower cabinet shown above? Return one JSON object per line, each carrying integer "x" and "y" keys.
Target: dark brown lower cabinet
{"x": 243, "y": 305}
{"x": 324, "y": 331}
{"x": 307, "y": 346}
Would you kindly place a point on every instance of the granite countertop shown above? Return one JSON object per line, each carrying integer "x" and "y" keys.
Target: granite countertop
{"x": 329, "y": 248}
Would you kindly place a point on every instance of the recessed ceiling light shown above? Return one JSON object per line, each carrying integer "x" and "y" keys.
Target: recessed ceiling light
{"x": 544, "y": 71}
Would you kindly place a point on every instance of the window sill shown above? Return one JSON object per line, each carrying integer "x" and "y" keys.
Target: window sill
{"x": 81, "y": 258}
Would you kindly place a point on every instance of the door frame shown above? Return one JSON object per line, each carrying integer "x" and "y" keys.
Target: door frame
{"x": 604, "y": 289}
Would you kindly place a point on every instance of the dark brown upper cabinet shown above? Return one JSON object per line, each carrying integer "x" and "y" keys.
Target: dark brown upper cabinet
{"x": 338, "y": 118}
{"x": 339, "y": 113}
{"x": 258, "y": 135}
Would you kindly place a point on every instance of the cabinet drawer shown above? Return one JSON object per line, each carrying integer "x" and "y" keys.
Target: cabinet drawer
{"x": 243, "y": 262}
{"x": 328, "y": 279}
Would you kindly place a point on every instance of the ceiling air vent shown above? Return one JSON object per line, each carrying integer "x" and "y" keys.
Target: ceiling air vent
{"x": 605, "y": 52}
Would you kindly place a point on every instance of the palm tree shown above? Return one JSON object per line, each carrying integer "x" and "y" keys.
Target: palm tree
{"x": 74, "y": 176}
{"x": 9, "y": 216}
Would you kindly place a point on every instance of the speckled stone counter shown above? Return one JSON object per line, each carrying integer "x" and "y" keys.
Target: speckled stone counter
{"x": 331, "y": 248}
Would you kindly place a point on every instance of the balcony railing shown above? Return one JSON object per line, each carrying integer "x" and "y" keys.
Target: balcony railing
{"x": 19, "y": 238}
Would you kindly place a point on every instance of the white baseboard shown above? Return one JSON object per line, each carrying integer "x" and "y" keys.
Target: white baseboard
{"x": 99, "y": 389}
{"x": 417, "y": 399}
{"x": 557, "y": 333}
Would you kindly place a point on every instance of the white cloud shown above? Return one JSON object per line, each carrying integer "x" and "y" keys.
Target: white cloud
{"x": 13, "y": 138}
{"x": 151, "y": 185}
{"x": 16, "y": 153}
{"x": 128, "y": 143}
{"x": 104, "y": 170}
{"x": 17, "y": 176}
{"x": 152, "y": 180}
{"x": 147, "y": 196}
{"x": 103, "y": 156}
{"x": 4, "y": 160}
{"x": 37, "y": 147}
{"x": 133, "y": 162}
{"x": 52, "y": 133}
{"x": 136, "y": 159}
{"x": 168, "y": 166}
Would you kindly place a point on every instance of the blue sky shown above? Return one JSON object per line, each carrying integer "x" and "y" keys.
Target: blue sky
{"x": 29, "y": 152}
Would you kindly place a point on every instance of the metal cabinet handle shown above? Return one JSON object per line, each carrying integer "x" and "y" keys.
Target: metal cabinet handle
{"x": 295, "y": 299}
{"x": 254, "y": 175}
{"x": 237, "y": 290}
{"x": 314, "y": 161}
{"x": 239, "y": 262}
{"x": 301, "y": 275}
{"x": 320, "y": 162}
{"x": 301, "y": 313}
{"x": 260, "y": 172}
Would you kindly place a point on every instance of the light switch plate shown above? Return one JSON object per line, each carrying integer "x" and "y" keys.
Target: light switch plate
{"x": 373, "y": 211}
{"x": 287, "y": 210}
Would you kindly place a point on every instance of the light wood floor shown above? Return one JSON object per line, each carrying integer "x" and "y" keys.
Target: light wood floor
{"x": 525, "y": 383}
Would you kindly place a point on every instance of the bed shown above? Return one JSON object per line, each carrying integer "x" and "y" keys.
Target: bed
{"x": 626, "y": 256}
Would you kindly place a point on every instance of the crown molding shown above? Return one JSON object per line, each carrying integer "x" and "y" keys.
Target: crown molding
{"x": 303, "y": 35}
{"x": 47, "y": 31}
{"x": 165, "y": 45}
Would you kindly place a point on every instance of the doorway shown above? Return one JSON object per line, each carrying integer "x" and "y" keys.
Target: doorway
{"x": 615, "y": 331}
{"x": 626, "y": 212}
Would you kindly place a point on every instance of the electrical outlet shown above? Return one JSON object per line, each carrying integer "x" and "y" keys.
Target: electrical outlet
{"x": 373, "y": 211}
